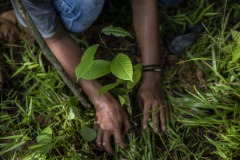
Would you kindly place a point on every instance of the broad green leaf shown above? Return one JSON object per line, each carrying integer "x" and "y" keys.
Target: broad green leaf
{"x": 236, "y": 53}
{"x": 136, "y": 78}
{"x": 228, "y": 49}
{"x": 87, "y": 133}
{"x": 121, "y": 67}
{"x": 99, "y": 68}
{"x": 137, "y": 67}
{"x": 236, "y": 36}
{"x": 108, "y": 87}
{"x": 121, "y": 100}
{"x": 86, "y": 61}
{"x": 45, "y": 136}
{"x": 42, "y": 149}
{"x": 73, "y": 113}
{"x": 116, "y": 31}
{"x": 45, "y": 149}
{"x": 59, "y": 138}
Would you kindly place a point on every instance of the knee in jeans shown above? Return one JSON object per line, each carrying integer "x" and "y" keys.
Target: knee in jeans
{"x": 90, "y": 12}
{"x": 78, "y": 15}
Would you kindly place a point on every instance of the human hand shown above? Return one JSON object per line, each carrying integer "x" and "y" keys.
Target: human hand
{"x": 109, "y": 120}
{"x": 152, "y": 101}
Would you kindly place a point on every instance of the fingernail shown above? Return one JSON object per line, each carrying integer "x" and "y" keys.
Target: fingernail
{"x": 145, "y": 126}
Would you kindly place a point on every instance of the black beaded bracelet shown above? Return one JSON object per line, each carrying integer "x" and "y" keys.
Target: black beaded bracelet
{"x": 152, "y": 68}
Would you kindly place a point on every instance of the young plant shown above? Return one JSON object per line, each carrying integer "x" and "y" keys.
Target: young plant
{"x": 120, "y": 66}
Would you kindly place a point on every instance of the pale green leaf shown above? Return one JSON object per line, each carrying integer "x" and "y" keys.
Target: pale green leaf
{"x": 99, "y": 68}
{"x": 87, "y": 133}
{"x": 41, "y": 149}
{"x": 121, "y": 67}
{"x": 45, "y": 149}
{"x": 86, "y": 61}
{"x": 236, "y": 36}
{"x": 228, "y": 49}
{"x": 136, "y": 78}
{"x": 121, "y": 100}
{"x": 137, "y": 67}
{"x": 45, "y": 136}
{"x": 108, "y": 87}
{"x": 116, "y": 31}
{"x": 73, "y": 113}
{"x": 236, "y": 53}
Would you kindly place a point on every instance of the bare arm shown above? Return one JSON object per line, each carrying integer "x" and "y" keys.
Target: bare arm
{"x": 151, "y": 95}
{"x": 145, "y": 21}
{"x": 109, "y": 115}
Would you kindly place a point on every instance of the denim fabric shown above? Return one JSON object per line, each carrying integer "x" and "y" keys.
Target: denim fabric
{"x": 168, "y": 3}
{"x": 76, "y": 15}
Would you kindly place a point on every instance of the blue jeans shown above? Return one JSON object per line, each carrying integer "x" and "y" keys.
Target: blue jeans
{"x": 168, "y": 3}
{"x": 75, "y": 15}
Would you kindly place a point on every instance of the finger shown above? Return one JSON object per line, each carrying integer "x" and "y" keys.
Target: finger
{"x": 106, "y": 142}
{"x": 163, "y": 118}
{"x": 118, "y": 139}
{"x": 156, "y": 118}
{"x": 126, "y": 123}
{"x": 95, "y": 126}
{"x": 146, "y": 115}
{"x": 140, "y": 103}
{"x": 99, "y": 138}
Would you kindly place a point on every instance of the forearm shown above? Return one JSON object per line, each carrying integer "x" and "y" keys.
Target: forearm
{"x": 69, "y": 54}
{"x": 145, "y": 21}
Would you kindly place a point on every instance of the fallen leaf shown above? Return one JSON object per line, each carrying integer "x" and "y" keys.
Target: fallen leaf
{"x": 199, "y": 73}
{"x": 10, "y": 16}
{"x": 10, "y": 28}
{"x": 8, "y": 31}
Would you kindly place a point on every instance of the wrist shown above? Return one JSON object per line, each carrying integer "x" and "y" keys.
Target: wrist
{"x": 151, "y": 77}
{"x": 152, "y": 68}
{"x": 91, "y": 89}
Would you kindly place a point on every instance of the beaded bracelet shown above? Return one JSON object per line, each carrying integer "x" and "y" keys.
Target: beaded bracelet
{"x": 152, "y": 68}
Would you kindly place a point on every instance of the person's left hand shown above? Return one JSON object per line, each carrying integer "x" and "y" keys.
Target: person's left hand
{"x": 152, "y": 101}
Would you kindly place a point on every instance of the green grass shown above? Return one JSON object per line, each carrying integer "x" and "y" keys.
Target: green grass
{"x": 204, "y": 122}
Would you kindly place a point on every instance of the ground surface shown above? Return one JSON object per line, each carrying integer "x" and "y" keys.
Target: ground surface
{"x": 202, "y": 86}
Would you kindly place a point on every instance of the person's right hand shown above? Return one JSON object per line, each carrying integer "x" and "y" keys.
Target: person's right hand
{"x": 109, "y": 120}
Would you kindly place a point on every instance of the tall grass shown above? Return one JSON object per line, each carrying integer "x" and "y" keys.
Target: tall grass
{"x": 202, "y": 88}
